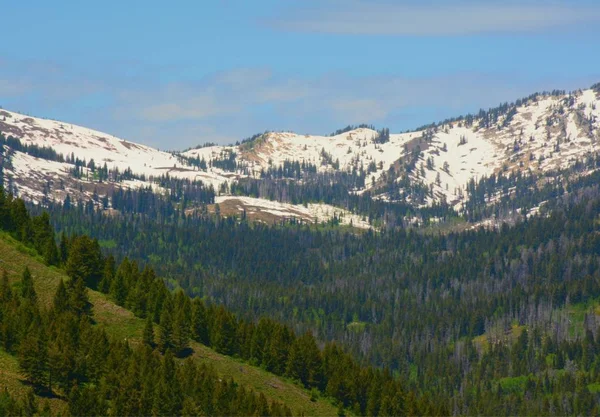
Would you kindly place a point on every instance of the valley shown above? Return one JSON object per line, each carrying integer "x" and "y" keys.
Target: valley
{"x": 363, "y": 273}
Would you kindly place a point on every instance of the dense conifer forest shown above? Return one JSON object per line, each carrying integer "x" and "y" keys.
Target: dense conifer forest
{"x": 428, "y": 313}
{"x": 62, "y": 353}
{"x": 300, "y": 208}
{"x": 497, "y": 322}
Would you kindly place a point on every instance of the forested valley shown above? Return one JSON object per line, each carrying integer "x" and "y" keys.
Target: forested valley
{"x": 479, "y": 321}
{"x": 300, "y": 208}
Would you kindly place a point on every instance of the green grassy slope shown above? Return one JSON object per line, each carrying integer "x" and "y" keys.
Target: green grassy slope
{"x": 122, "y": 324}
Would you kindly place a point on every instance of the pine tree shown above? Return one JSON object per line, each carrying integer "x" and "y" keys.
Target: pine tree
{"x": 181, "y": 331}
{"x": 33, "y": 356}
{"x": 30, "y": 407}
{"x": 148, "y": 336}
{"x": 5, "y": 289}
{"x": 278, "y": 350}
{"x": 85, "y": 261}
{"x": 78, "y": 298}
{"x": 51, "y": 256}
{"x": 189, "y": 408}
{"x": 200, "y": 331}
{"x": 223, "y": 336}
{"x": 61, "y": 298}
{"x": 168, "y": 396}
{"x": 21, "y": 221}
{"x": 118, "y": 290}
{"x": 165, "y": 334}
{"x": 86, "y": 401}
{"x": 61, "y": 360}
{"x": 304, "y": 362}
{"x": 107, "y": 275}
{"x": 27, "y": 289}
{"x": 63, "y": 249}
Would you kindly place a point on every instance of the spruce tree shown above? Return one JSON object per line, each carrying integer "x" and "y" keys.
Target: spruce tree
{"x": 63, "y": 249}
{"x": 5, "y": 289}
{"x": 304, "y": 362}
{"x": 223, "y": 337}
{"x": 86, "y": 401}
{"x": 108, "y": 274}
{"x": 51, "y": 256}
{"x": 27, "y": 289}
{"x": 148, "y": 336}
{"x": 189, "y": 408}
{"x": 118, "y": 290}
{"x": 85, "y": 261}
{"x": 181, "y": 331}
{"x": 30, "y": 407}
{"x": 200, "y": 331}
{"x": 33, "y": 356}
{"x": 165, "y": 334}
{"x": 78, "y": 298}
{"x": 61, "y": 298}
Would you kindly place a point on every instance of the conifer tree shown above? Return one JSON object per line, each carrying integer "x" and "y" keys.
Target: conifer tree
{"x": 61, "y": 301}
{"x": 27, "y": 289}
{"x": 61, "y": 361}
{"x": 200, "y": 331}
{"x": 108, "y": 274}
{"x": 50, "y": 252}
{"x": 63, "y": 249}
{"x": 181, "y": 331}
{"x": 78, "y": 298}
{"x": 189, "y": 408}
{"x": 85, "y": 261}
{"x": 33, "y": 356}
{"x": 165, "y": 334}
{"x": 223, "y": 336}
{"x": 30, "y": 406}
{"x": 5, "y": 289}
{"x": 304, "y": 362}
{"x": 118, "y": 290}
{"x": 86, "y": 401}
{"x": 148, "y": 336}
{"x": 167, "y": 399}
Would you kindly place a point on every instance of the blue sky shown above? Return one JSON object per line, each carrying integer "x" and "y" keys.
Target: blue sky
{"x": 181, "y": 74}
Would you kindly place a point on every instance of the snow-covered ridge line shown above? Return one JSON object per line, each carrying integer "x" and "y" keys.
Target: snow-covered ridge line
{"x": 541, "y": 134}
{"x": 544, "y": 132}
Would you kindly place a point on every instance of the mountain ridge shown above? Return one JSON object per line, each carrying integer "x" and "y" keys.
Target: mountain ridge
{"x": 540, "y": 133}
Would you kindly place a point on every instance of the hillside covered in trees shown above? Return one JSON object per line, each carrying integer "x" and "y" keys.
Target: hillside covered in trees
{"x": 400, "y": 322}
{"x": 132, "y": 294}
{"x": 66, "y": 353}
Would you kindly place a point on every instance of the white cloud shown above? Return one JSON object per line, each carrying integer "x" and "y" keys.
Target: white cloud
{"x": 434, "y": 18}
{"x": 161, "y": 106}
{"x": 358, "y": 108}
{"x": 14, "y": 87}
{"x": 230, "y": 105}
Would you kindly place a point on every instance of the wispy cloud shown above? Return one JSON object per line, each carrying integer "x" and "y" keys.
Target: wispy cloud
{"x": 171, "y": 103}
{"x": 230, "y": 105}
{"x": 433, "y": 18}
{"x": 14, "y": 87}
{"x": 50, "y": 82}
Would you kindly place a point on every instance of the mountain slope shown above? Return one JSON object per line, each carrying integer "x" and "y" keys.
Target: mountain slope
{"x": 121, "y": 324}
{"x": 538, "y": 134}
{"x": 542, "y": 132}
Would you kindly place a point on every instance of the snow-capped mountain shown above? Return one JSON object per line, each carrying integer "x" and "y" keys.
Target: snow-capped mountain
{"x": 540, "y": 133}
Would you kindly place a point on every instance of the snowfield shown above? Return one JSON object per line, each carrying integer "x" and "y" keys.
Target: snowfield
{"x": 314, "y": 213}
{"x": 544, "y": 134}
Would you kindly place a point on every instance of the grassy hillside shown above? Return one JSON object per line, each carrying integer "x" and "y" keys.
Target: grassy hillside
{"x": 122, "y": 324}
